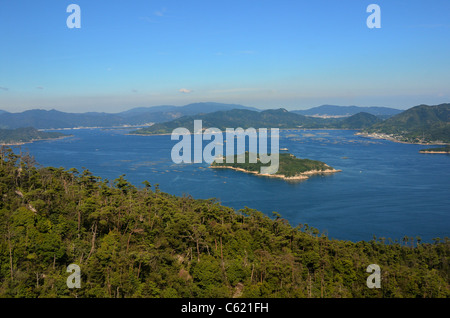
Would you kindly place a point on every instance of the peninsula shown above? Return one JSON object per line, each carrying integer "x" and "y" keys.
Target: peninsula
{"x": 290, "y": 168}
{"x": 20, "y": 136}
{"x": 421, "y": 124}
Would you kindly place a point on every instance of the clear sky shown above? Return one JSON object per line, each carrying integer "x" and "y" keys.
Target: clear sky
{"x": 264, "y": 53}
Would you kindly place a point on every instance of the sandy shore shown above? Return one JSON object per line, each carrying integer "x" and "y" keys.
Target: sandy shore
{"x": 445, "y": 152}
{"x": 299, "y": 177}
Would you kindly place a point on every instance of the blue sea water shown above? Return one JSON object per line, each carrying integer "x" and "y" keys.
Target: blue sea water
{"x": 385, "y": 189}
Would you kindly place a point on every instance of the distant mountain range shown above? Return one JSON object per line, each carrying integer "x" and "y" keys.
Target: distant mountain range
{"x": 419, "y": 124}
{"x": 191, "y": 109}
{"x": 53, "y": 119}
{"x": 346, "y": 111}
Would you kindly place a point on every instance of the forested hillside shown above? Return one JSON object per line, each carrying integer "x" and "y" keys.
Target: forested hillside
{"x": 421, "y": 123}
{"x": 359, "y": 121}
{"x": 141, "y": 242}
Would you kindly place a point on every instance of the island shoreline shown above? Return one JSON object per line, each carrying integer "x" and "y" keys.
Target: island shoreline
{"x": 299, "y": 177}
{"x": 441, "y": 152}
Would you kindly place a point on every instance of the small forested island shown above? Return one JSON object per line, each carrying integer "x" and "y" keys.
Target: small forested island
{"x": 20, "y": 136}
{"x": 445, "y": 149}
{"x": 290, "y": 168}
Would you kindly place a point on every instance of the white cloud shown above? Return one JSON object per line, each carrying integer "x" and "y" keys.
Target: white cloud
{"x": 160, "y": 13}
{"x": 185, "y": 91}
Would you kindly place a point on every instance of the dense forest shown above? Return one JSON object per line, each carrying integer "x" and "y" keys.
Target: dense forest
{"x": 140, "y": 242}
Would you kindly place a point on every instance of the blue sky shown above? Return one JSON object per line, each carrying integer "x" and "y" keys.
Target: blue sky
{"x": 268, "y": 54}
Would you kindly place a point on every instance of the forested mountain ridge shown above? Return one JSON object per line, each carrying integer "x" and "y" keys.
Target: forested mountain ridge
{"x": 359, "y": 121}
{"x": 430, "y": 123}
{"x": 54, "y": 119}
{"x": 141, "y": 242}
{"x": 243, "y": 118}
{"x": 419, "y": 124}
{"x": 272, "y": 118}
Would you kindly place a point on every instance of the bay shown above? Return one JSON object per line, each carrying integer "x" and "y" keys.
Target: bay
{"x": 385, "y": 189}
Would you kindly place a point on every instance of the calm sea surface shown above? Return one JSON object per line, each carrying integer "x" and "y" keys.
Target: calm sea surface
{"x": 385, "y": 189}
